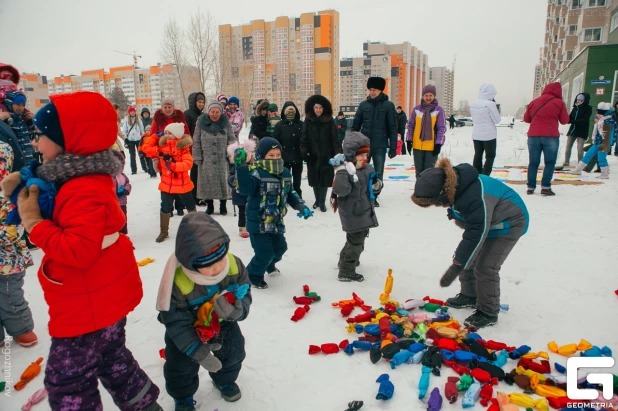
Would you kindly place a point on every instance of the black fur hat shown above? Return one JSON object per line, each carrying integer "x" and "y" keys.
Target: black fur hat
{"x": 377, "y": 83}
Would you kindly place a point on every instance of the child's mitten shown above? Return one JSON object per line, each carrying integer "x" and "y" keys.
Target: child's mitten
{"x": 305, "y": 213}
{"x": 240, "y": 156}
{"x": 28, "y": 207}
{"x": 227, "y": 311}
{"x": 451, "y": 274}
{"x": 205, "y": 358}
{"x": 337, "y": 160}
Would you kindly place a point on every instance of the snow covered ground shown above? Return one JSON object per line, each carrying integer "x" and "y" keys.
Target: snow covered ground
{"x": 559, "y": 282}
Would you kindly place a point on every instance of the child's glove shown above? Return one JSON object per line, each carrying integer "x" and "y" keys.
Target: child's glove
{"x": 337, "y": 160}
{"x": 120, "y": 191}
{"x": 167, "y": 157}
{"x": 436, "y": 149}
{"x": 205, "y": 358}
{"x": 227, "y": 311}
{"x": 451, "y": 274}
{"x": 240, "y": 156}
{"x": 350, "y": 168}
{"x": 160, "y": 133}
{"x": 305, "y": 213}
{"x": 28, "y": 207}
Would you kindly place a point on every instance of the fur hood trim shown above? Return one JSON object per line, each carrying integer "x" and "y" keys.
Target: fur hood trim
{"x": 450, "y": 178}
{"x": 262, "y": 106}
{"x": 177, "y": 117}
{"x": 248, "y": 145}
{"x": 205, "y": 123}
{"x": 185, "y": 142}
{"x": 327, "y": 114}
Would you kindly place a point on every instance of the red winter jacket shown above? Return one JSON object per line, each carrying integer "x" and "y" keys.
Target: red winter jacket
{"x": 89, "y": 276}
{"x": 545, "y": 112}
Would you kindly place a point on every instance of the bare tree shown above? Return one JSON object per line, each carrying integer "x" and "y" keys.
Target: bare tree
{"x": 173, "y": 51}
{"x": 463, "y": 109}
{"x": 202, "y": 36}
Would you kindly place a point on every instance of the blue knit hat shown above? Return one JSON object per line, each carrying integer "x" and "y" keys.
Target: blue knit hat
{"x": 265, "y": 145}
{"x": 214, "y": 255}
{"x": 47, "y": 120}
{"x": 20, "y": 98}
{"x": 234, "y": 100}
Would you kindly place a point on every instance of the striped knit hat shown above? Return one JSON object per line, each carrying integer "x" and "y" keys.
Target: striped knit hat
{"x": 214, "y": 255}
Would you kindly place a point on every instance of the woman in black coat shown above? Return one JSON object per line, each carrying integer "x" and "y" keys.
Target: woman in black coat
{"x": 580, "y": 125}
{"x": 318, "y": 144}
{"x": 288, "y": 132}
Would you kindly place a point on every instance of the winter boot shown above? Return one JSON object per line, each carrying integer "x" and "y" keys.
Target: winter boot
{"x": 323, "y": 193}
{"x": 180, "y": 212}
{"x": 223, "y": 207}
{"x": 346, "y": 278}
{"x": 153, "y": 407}
{"x": 185, "y": 404}
{"x": 274, "y": 272}
{"x": 27, "y": 339}
{"x": 210, "y": 207}
{"x": 461, "y": 301}
{"x": 604, "y": 173}
{"x": 229, "y": 392}
{"x": 242, "y": 231}
{"x": 479, "y": 320}
{"x": 316, "y": 194}
{"x": 547, "y": 192}
{"x": 578, "y": 170}
{"x": 530, "y": 191}
{"x": 165, "y": 226}
{"x": 261, "y": 284}
{"x": 375, "y": 202}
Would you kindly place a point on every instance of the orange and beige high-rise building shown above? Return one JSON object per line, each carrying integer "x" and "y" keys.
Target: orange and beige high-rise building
{"x": 404, "y": 67}
{"x": 35, "y": 87}
{"x": 290, "y": 58}
{"x": 144, "y": 87}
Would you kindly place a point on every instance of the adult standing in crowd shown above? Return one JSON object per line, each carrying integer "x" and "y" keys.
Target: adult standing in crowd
{"x": 451, "y": 121}
{"x": 213, "y": 134}
{"x": 580, "y": 124}
{"x": 133, "y": 129}
{"x": 223, "y": 101}
{"x": 544, "y": 113}
{"x": 145, "y": 117}
{"x": 237, "y": 117}
{"x": 166, "y": 115}
{"x": 402, "y": 122}
{"x": 426, "y": 129}
{"x": 319, "y": 143}
{"x": 485, "y": 117}
{"x": 376, "y": 118}
{"x": 197, "y": 101}
{"x": 342, "y": 126}
{"x": 288, "y": 133}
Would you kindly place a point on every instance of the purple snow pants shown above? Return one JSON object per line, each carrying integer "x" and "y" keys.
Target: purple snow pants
{"x": 75, "y": 364}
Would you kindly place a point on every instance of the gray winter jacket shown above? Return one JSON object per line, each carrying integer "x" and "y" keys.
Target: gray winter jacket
{"x": 197, "y": 234}
{"x": 355, "y": 200}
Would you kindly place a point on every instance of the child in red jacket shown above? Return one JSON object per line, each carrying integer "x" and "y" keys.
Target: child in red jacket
{"x": 88, "y": 301}
{"x": 173, "y": 150}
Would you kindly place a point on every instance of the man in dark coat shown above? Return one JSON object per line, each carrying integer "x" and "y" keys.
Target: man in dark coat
{"x": 402, "y": 121}
{"x": 318, "y": 144}
{"x": 377, "y": 119}
{"x": 342, "y": 126}
{"x": 288, "y": 133}
{"x": 451, "y": 121}
{"x": 196, "y": 105}
{"x": 493, "y": 216}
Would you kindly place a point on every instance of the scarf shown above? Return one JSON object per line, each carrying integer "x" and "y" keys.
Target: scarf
{"x": 270, "y": 166}
{"x": 212, "y": 127}
{"x": 67, "y": 166}
{"x": 290, "y": 116}
{"x": 426, "y": 126}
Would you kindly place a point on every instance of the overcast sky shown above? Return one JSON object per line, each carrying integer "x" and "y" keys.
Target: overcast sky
{"x": 496, "y": 41}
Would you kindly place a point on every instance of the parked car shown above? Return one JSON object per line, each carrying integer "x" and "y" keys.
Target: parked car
{"x": 466, "y": 120}
{"x": 459, "y": 123}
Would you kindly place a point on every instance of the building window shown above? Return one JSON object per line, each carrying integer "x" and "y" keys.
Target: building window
{"x": 597, "y": 3}
{"x": 614, "y": 24}
{"x": 590, "y": 35}
{"x": 576, "y": 4}
{"x": 572, "y": 29}
{"x": 569, "y": 55}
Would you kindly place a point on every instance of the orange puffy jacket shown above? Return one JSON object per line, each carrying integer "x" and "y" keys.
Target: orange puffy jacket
{"x": 175, "y": 172}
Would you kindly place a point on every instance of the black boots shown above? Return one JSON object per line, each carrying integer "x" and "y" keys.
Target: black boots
{"x": 461, "y": 301}
{"x": 316, "y": 194}
{"x": 320, "y": 198}
{"x": 210, "y": 207}
{"x": 223, "y": 207}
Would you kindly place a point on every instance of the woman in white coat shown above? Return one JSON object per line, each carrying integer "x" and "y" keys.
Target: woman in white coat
{"x": 485, "y": 117}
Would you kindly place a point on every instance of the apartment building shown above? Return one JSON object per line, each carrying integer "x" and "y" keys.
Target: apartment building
{"x": 290, "y": 58}
{"x": 571, "y": 26}
{"x": 144, "y": 87}
{"x": 35, "y": 87}
{"x": 403, "y": 66}
{"x": 444, "y": 80}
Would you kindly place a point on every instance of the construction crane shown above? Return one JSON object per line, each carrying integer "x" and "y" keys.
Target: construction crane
{"x": 134, "y": 55}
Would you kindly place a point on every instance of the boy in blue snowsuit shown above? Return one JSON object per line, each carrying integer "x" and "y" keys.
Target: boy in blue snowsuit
{"x": 203, "y": 294}
{"x": 494, "y": 218}
{"x": 15, "y": 102}
{"x": 268, "y": 186}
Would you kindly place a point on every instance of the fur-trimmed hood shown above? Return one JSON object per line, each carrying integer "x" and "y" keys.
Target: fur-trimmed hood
{"x": 286, "y": 105}
{"x": 327, "y": 114}
{"x": 248, "y": 145}
{"x": 441, "y": 185}
{"x": 205, "y": 123}
{"x": 177, "y": 117}
{"x": 262, "y": 106}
